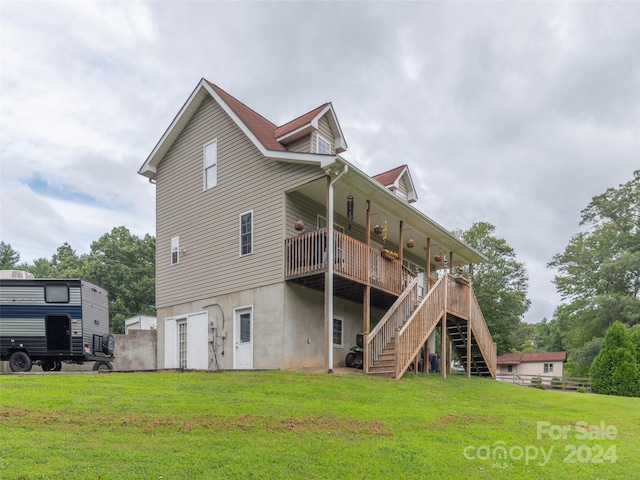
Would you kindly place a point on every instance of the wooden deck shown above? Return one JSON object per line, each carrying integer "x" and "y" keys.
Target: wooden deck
{"x": 306, "y": 256}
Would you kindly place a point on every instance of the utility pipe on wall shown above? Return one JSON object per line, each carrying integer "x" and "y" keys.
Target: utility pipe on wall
{"x": 330, "y": 260}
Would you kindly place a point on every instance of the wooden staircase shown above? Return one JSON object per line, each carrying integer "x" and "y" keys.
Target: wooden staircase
{"x": 398, "y": 338}
{"x": 457, "y": 331}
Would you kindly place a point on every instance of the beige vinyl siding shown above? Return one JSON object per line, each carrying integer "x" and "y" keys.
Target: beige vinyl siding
{"x": 402, "y": 187}
{"x": 301, "y": 145}
{"x": 207, "y": 222}
{"x": 325, "y": 131}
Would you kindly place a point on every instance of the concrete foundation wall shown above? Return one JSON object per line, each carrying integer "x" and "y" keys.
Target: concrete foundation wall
{"x": 135, "y": 351}
{"x": 268, "y": 321}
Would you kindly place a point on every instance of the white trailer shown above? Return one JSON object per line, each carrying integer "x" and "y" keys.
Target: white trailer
{"x": 50, "y": 321}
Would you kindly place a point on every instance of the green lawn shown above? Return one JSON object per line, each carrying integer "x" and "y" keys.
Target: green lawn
{"x": 172, "y": 425}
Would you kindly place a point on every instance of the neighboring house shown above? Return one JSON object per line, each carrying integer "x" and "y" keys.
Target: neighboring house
{"x": 140, "y": 322}
{"x": 521, "y": 367}
{"x": 247, "y": 276}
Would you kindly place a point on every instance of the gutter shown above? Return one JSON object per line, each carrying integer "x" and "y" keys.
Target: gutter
{"x": 330, "y": 259}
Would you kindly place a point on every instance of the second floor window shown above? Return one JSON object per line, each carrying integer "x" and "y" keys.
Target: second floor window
{"x": 246, "y": 233}
{"x": 210, "y": 165}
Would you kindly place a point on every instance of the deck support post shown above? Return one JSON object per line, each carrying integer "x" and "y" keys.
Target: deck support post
{"x": 401, "y": 248}
{"x": 451, "y": 263}
{"x": 427, "y": 280}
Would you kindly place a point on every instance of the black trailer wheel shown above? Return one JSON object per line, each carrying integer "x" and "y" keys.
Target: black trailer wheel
{"x": 350, "y": 361}
{"x": 102, "y": 366}
{"x": 108, "y": 344}
{"x": 57, "y": 367}
{"x": 20, "y": 362}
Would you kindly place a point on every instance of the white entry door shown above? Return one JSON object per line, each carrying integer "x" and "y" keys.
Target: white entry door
{"x": 243, "y": 338}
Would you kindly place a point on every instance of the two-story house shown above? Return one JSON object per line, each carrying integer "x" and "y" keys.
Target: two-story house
{"x": 273, "y": 251}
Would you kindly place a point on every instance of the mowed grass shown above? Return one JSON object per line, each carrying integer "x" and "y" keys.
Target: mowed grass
{"x": 272, "y": 424}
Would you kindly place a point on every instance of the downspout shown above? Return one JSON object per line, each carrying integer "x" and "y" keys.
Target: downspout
{"x": 330, "y": 260}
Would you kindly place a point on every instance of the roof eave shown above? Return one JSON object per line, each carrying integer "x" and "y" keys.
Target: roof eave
{"x": 468, "y": 253}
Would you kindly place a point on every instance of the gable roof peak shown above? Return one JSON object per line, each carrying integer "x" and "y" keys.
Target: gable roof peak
{"x": 391, "y": 180}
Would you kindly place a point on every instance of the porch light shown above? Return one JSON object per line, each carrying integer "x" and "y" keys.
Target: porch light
{"x": 299, "y": 225}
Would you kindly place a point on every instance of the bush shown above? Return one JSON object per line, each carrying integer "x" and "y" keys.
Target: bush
{"x": 536, "y": 382}
{"x": 556, "y": 383}
{"x": 581, "y": 390}
{"x": 615, "y": 370}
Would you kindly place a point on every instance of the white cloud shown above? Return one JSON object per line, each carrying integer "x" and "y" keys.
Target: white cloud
{"x": 527, "y": 109}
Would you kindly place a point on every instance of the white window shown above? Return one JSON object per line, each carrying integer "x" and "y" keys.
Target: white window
{"x": 548, "y": 367}
{"x": 182, "y": 343}
{"x": 337, "y": 332}
{"x": 211, "y": 165}
{"x": 175, "y": 253}
{"x": 246, "y": 233}
{"x": 323, "y": 146}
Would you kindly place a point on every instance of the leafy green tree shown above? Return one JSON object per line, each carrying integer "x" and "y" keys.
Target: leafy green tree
{"x": 125, "y": 265}
{"x": 599, "y": 271}
{"x": 9, "y": 258}
{"x": 615, "y": 369}
{"x": 500, "y": 284}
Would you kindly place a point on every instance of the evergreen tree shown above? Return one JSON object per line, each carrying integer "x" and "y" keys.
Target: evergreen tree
{"x": 9, "y": 258}
{"x": 615, "y": 370}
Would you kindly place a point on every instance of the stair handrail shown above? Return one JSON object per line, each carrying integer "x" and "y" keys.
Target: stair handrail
{"x": 414, "y": 333}
{"x": 385, "y": 330}
{"x": 487, "y": 346}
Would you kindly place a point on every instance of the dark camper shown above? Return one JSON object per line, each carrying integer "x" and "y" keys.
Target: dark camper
{"x": 48, "y": 322}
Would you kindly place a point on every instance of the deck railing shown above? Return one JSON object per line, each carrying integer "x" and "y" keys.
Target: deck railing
{"x": 307, "y": 254}
{"x": 480, "y": 330}
{"x": 413, "y": 335}
{"x": 410, "y": 321}
{"x": 384, "y": 332}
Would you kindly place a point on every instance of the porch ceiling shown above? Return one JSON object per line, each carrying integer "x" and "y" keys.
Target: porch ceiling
{"x": 387, "y": 206}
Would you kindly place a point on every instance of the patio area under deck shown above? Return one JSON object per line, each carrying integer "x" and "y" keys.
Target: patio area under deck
{"x": 356, "y": 266}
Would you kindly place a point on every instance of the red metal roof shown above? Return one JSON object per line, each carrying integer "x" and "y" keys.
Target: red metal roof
{"x": 301, "y": 121}
{"x": 516, "y": 358}
{"x": 262, "y": 128}
{"x": 388, "y": 178}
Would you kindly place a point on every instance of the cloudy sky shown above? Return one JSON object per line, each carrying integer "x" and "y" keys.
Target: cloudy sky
{"x": 512, "y": 113}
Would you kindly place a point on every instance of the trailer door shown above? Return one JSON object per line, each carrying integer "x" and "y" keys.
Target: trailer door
{"x": 58, "y": 331}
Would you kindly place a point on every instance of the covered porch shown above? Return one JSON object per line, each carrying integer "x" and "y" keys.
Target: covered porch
{"x": 381, "y": 251}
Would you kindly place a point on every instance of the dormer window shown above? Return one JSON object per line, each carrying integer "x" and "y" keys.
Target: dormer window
{"x": 323, "y": 145}
{"x": 401, "y": 195}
